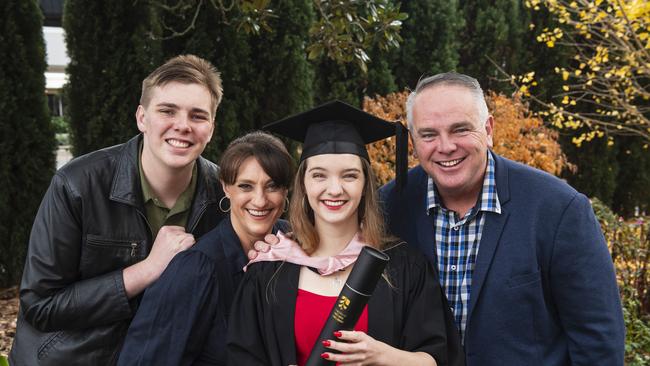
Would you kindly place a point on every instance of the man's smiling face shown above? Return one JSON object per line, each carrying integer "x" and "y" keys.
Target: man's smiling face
{"x": 177, "y": 125}
{"x": 450, "y": 140}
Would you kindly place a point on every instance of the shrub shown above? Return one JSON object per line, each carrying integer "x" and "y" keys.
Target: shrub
{"x": 629, "y": 243}
{"x": 382, "y": 153}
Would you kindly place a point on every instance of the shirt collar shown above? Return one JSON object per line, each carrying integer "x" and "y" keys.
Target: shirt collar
{"x": 183, "y": 202}
{"x": 488, "y": 200}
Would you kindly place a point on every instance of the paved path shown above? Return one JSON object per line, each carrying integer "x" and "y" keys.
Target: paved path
{"x": 63, "y": 155}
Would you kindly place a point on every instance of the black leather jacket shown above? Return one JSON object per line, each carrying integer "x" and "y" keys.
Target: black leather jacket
{"x": 91, "y": 225}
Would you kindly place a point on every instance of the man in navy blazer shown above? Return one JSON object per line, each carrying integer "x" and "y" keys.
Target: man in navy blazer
{"x": 519, "y": 253}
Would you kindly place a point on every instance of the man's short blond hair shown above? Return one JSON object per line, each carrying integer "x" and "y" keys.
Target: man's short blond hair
{"x": 185, "y": 69}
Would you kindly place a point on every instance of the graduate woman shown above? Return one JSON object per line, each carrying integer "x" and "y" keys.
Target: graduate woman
{"x": 182, "y": 318}
{"x": 286, "y": 297}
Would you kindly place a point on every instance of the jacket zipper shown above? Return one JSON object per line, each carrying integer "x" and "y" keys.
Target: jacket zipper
{"x": 198, "y": 217}
{"x": 97, "y": 242}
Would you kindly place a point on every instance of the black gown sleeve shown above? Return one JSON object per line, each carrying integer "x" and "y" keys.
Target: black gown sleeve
{"x": 245, "y": 341}
{"x": 175, "y": 315}
{"x": 424, "y": 325}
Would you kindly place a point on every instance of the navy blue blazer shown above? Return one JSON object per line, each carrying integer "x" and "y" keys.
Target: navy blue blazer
{"x": 543, "y": 289}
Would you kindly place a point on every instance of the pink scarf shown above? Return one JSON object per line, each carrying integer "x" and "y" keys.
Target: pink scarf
{"x": 290, "y": 251}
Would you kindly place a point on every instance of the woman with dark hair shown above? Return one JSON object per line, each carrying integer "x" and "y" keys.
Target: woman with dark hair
{"x": 182, "y": 318}
{"x": 285, "y": 298}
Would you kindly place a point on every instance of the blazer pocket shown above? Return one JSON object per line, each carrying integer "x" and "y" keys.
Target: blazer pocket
{"x": 524, "y": 279}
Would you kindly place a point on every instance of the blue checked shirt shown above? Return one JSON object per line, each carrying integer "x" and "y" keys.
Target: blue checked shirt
{"x": 457, "y": 243}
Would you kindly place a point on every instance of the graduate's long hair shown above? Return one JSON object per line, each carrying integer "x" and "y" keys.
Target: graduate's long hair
{"x": 371, "y": 221}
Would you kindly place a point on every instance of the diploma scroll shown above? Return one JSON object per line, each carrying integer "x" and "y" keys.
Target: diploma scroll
{"x": 353, "y": 298}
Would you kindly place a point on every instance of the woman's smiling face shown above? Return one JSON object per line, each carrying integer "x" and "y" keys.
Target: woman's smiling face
{"x": 334, "y": 187}
{"x": 256, "y": 202}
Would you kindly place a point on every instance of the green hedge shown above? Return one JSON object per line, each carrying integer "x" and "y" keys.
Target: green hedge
{"x": 629, "y": 243}
{"x": 26, "y": 136}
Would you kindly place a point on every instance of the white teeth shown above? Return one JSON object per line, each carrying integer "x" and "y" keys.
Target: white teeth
{"x": 450, "y": 162}
{"x": 258, "y": 213}
{"x": 334, "y": 203}
{"x": 177, "y": 143}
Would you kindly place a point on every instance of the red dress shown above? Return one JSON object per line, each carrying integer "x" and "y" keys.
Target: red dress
{"x": 311, "y": 313}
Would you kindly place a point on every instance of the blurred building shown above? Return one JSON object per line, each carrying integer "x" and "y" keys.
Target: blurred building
{"x": 57, "y": 57}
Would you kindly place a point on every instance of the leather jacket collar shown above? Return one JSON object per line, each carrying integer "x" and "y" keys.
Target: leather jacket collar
{"x": 126, "y": 184}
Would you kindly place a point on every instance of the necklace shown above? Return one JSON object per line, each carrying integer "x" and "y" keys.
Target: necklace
{"x": 337, "y": 282}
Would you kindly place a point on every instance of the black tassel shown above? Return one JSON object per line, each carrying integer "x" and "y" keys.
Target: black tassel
{"x": 401, "y": 155}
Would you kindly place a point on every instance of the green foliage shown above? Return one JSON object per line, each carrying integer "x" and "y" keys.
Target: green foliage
{"x": 343, "y": 82}
{"x": 540, "y": 58}
{"x": 381, "y": 80}
{"x": 230, "y": 52}
{"x": 629, "y": 243}
{"x": 111, "y": 52}
{"x": 60, "y": 125}
{"x": 493, "y": 33}
{"x": 596, "y": 168}
{"x": 265, "y": 76}
{"x": 343, "y": 31}
{"x": 431, "y": 40}
{"x": 26, "y": 138}
{"x": 346, "y": 30}
{"x": 283, "y": 79}
{"x": 633, "y": 180}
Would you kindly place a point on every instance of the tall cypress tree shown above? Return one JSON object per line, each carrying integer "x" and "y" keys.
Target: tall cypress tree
{"x": 380, "y": 77}
{"x": 229, "y": 50}
{"x": 431, "y": 41}
{"x": 347, "y": 82}
{"x": 493, "y": 32}
{"x": 111, "y": 51}
{"x": 284, "y": 79}
{"x": 265, "y": 77}
{"x": 26, "y": 137}
{"x": 337, "y": 81}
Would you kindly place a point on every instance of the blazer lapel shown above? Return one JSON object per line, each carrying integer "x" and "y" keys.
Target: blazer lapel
{"x": 426, "y": 240}
{"x": 423, "y": 221}
{"x": 492, "y": 229}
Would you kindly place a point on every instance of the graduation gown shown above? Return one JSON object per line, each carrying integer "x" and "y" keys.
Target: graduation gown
{"x": 182, "y": 319}
{"x": 408, "y": 313}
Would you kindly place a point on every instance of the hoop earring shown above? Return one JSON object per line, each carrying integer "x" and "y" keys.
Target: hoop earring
{"x": 221, "y": 205}
{"x": 286, "y": 205}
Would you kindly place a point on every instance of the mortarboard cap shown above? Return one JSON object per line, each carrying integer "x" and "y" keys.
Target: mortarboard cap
{"x": 339, "y": 128}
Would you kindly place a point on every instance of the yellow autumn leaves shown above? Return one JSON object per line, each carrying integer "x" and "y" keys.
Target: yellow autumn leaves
{"x": 605, "y": 93}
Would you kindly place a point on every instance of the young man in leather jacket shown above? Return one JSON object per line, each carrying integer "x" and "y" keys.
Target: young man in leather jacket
{"x": 112, "y": 220}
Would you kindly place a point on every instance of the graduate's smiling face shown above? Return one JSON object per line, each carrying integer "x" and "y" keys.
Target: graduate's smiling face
{"x": 334, "y": 187}
{"x": 256, "y": 202}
